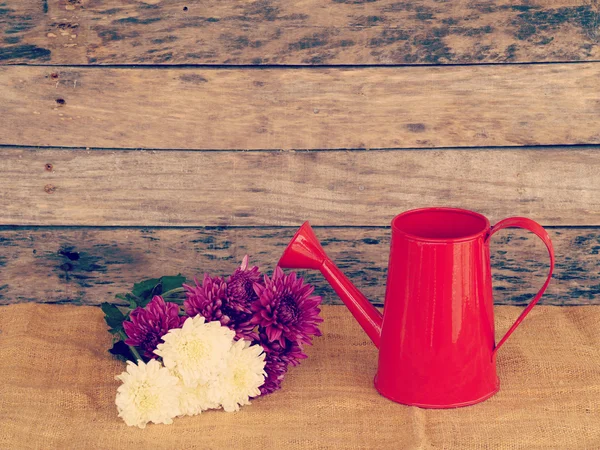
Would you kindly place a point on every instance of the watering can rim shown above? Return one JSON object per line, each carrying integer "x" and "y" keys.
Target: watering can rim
{"x": 471, "y": 237}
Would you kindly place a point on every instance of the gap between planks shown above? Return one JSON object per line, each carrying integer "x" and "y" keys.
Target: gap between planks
{"x": 299, "y": 150}
{"x": 292, "y": 66}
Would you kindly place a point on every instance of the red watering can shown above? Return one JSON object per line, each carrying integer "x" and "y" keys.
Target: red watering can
{"x": 436, "y": 335}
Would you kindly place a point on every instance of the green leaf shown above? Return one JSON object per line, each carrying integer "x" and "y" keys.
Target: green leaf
{"x": 144, "y": 289}
{"x": 114, "y": 324}
{"x": 122, "y": 351}
{"x": 113, "y": 316}
{"x": 171, "y": 282}
{"x": 129, "y": 298}
{"x": 112, "y": 311}
{"x": 125, "y": 297}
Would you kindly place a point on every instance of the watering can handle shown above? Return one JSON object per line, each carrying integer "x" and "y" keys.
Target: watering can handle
{"x": 536, "y": 228}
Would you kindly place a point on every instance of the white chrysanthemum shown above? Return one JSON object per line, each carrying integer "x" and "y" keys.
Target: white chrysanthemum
{"x": 244, "y": 374}
{"x": 149, "y": 393}
{"x": 199, "y": 398}
{"x": 197, "y": 351}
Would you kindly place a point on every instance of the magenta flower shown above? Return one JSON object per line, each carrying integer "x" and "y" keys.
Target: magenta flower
{"x": 290, "y": 352}
{"x": 147, "y": 326}
{"x": 211, "y": 301}
{"x": 286, "y": 309}
{"x": 240, "y": 288}
{"x": 277, "y": 360}
{"x": 276, "y": 370}
{"x": 206, "y": 299}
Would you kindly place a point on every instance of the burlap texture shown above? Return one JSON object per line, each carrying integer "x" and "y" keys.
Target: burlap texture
{"x": 58, "y": 391}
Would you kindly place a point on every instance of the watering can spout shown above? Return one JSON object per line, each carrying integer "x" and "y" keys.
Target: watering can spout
{"x": 305, "y": 252}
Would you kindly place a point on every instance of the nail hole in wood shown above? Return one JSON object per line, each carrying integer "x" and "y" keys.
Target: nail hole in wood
{"x": 54, "y": 75}
{"x": 61, "y": 101}
{"x": 185, "y": 8}
{"x": 48, "y": 167}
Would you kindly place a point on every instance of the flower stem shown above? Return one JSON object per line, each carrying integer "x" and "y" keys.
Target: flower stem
{"x": 131, "y": 348}
{"x": 172, "y": 291}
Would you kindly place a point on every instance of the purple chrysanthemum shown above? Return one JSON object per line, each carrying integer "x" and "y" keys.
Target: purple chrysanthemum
{"x": 286, "y": 309}
{"x": 240, "y": 288}
{"x": 205, "y": 299}
{"x": 210, "y": 300}
{"x": 289, "y": 352}
{"x": 147, "y": 326}
{"x": 275, "y": 369}
{"x": 240, "y": 296}
{"x": 277, "y": 360}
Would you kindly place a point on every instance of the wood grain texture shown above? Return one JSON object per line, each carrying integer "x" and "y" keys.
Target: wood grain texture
{"x": 507, "y": 105}
{"x": 360, "y": 188}
{"x": 297, "y": 32}
{"x": 91, "y": 265}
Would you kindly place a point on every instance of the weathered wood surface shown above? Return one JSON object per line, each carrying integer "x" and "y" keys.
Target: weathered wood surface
{"x": 297, "y": 32}
{"x": 455, "y": 106}
{"x": 91, "y": 265}
{"x": 184, "y": 188}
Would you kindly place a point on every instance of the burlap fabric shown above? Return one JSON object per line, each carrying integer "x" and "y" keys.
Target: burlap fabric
{"x": 58, "y": 391}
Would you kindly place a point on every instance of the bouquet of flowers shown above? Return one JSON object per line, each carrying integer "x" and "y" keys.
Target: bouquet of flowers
{"x": 210, "y": 344}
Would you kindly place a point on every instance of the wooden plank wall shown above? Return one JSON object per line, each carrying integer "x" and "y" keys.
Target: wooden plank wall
{"x": 156, "y": 137}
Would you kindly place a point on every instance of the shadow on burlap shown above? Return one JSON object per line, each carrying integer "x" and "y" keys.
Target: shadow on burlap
{"x": 58, "y": 391}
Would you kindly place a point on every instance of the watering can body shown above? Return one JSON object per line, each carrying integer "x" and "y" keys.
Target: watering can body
{"x": 436, "y": 336}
